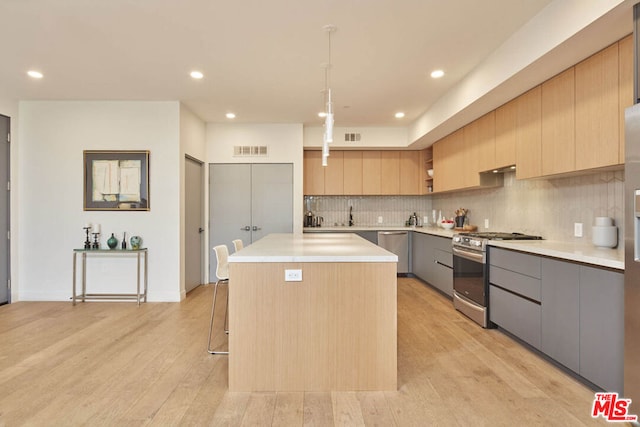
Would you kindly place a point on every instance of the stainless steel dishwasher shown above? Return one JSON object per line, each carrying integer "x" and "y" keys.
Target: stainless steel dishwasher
{"x": 398, "y": 243}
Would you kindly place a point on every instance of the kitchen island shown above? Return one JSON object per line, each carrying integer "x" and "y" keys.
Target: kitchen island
{"x": 312, "y": 312}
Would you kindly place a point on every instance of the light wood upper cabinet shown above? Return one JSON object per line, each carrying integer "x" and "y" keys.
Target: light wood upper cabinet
{"x": 313, "y": 173}
{"x": 334, "y": 174}
{"x": 440, "y": 164}
{"x": 390, "y": 172}
{"x": 352, "y": 172}
{"x": 506, "y": 123}
{"x": 625, "y": 82}
{"x": 371, "y": 178}
{"x": 410, "y": 165}
{"x": 558, "y": 124}
{"x": 364, "y": 173}
{"x": 529, "y": 134}
{"x": 448, "y": 156}
{"x": 479, "y": 149}
{"x": 487, "y": 142}
{"x": 470, "y": 165}
{"x": 597, "y": 110}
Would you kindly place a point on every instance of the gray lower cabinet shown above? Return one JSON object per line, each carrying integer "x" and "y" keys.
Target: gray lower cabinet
{"x": 371, "y": 236}
{"x": 515, "y": 314}
{"x": 421, "y": 257}
{"x": 432, "y": 261}
{"x": 579, "y": 320}
{"x": 443, "y": 271}
{"x": 561, "y": 312}
{"x": 602, "y": 327}
{"x": 514, "y": 294}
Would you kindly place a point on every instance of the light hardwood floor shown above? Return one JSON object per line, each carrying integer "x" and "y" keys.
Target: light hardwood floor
{"x": 119, "y": 364}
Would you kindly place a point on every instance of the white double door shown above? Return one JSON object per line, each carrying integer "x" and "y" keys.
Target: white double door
{"x": 247, "y": 202}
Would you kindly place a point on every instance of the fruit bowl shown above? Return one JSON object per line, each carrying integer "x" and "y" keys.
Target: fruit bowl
{"x": 447, "y": 225}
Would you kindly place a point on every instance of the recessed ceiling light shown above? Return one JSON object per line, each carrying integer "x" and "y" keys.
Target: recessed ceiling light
{"x": 35, "y": 74}
{"x": 436, "y": 74}
{"x": 399, "y": 115}
{"x": 230, "y": 116}
{"x": 322, "y": 114}
{"x": 196, "y": 75}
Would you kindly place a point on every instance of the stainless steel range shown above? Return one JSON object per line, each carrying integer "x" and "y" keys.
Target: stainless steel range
{"x": 470, "y": 272}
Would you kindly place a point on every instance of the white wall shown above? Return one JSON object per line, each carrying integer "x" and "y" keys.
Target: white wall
{"x": 284, "y": 142}
{"x": 192, "y": 144}
{"x": 53, "y": 135}
{"x": 10, "y": 108}
{"x": 371, "y": 137}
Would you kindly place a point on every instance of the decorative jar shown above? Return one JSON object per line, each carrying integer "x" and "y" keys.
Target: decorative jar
{"x": 135, "y": 241}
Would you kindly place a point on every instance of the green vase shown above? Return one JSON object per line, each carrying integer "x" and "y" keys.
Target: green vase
{"x": 112, "y": 242}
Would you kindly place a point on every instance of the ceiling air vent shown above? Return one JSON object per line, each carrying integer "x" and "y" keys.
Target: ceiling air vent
{"x": 250, "y": 151}
{"x": 351, "y": 137}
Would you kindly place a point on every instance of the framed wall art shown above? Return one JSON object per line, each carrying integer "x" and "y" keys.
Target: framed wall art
{"x": 116, "y": 180}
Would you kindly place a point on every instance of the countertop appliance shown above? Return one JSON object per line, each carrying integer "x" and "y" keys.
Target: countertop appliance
{"x": 396, "y": 242}
{"x": 632, "y": 234}
{"x": 470, "y": 272}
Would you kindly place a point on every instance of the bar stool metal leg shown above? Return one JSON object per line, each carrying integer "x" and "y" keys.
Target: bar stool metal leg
{"x": 226, "y": 314}
{"x": 213, "y": 309}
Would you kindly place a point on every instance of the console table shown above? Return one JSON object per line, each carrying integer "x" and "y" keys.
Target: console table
{"x": 117, "y": 252}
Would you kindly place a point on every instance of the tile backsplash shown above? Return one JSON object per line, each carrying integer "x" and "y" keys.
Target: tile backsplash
{"x": 546, "y": 207}
{"x": 394, "y": 210}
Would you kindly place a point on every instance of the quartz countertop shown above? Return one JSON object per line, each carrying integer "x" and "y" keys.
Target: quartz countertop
{"x": 579, "y": 252}
{"x": 436, "y": 231}
{"x": 313, "y": 247}
{"x": 570, "y": 251}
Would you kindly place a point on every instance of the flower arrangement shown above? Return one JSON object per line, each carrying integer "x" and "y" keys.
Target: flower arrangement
{"x": 462, "y": 212}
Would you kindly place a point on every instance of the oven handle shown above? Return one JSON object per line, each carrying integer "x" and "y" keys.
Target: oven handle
{"x": 472, "y": 256}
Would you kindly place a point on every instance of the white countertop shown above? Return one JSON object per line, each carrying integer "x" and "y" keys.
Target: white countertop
{"x": 570, "y": 251}
{"x": 313, "y": 247}
{"x": 585, "y": 253}
{"x": 436, "y": 231}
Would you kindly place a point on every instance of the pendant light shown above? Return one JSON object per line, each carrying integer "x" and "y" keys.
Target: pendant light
{"x": 328, "y": 119}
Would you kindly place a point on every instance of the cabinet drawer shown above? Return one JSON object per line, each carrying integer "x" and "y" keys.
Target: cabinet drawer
{"x": 516, "y": 315}
{"x": 442, "y": 243}
{"x": 442, "y": 277}
{"x": 516, "y": 261}
{"x": 515, "y": 282}
{"x": 443, "y": 257}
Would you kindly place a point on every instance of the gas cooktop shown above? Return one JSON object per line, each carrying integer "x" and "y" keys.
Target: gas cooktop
{"x": 493, "y": 235}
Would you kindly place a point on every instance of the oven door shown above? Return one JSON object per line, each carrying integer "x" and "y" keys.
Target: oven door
{"x": 469, "y": 275}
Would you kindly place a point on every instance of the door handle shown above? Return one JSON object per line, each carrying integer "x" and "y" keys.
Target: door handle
{"x": 256, "y": 228}
{"x": 200, "y": 229}
{"x": 246, "y": 228}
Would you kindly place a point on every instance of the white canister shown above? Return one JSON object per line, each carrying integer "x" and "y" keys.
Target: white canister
{"x": 604, "y": 233}
{"x": 603, "y": 221}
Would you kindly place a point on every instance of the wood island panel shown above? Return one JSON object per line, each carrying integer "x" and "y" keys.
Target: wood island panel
{"x": 335, "y": 330}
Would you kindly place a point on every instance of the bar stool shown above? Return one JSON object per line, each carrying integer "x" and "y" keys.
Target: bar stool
{"x": 237, "y": 245}
{"x": 222, "y": 275}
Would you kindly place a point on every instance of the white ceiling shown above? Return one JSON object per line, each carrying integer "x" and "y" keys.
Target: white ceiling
{"x": 261, "y": 59}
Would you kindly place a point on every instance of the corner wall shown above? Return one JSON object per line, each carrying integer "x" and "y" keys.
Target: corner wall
{"x": 192, "y": 144}
{"x": 53, "y": 135}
